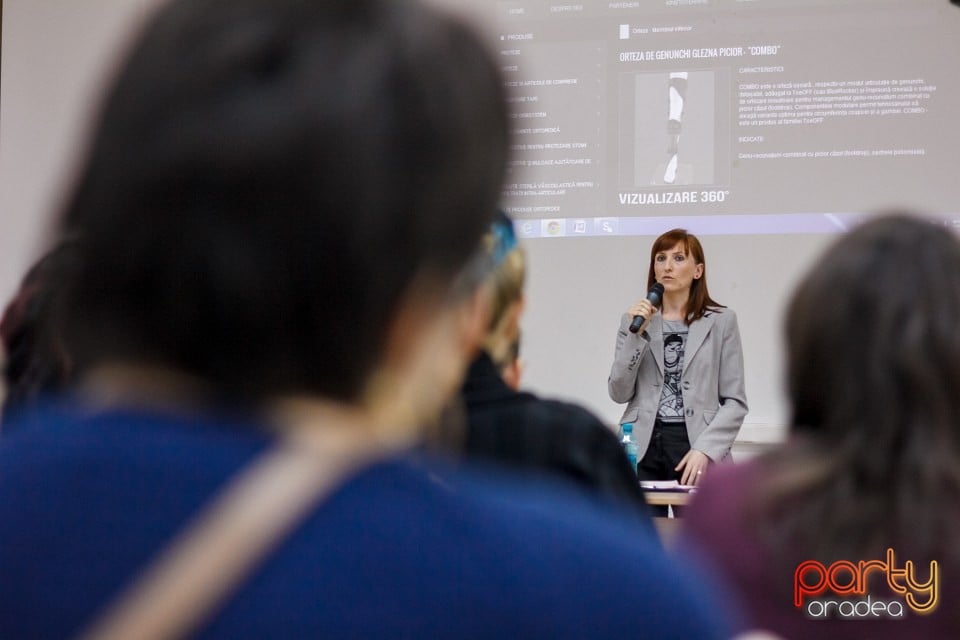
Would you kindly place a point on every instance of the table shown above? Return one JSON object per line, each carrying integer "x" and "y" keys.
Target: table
{"x": 664, "y": 498}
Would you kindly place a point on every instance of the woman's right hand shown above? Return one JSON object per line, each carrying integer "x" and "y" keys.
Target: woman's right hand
{"x": 642, "y": 308}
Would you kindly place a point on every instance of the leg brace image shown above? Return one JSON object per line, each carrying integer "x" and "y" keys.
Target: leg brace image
{"x": 677, "y": 92}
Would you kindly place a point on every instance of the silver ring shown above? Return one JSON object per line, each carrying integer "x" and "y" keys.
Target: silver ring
{"x": 699, "y": 472}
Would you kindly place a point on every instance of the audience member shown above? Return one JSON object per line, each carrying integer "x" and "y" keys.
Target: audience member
{"x": 277, "y": 208}
{"x": 512, "y": 370}
{"x": 870, "y": 476}
{"x": 520, "y": 430}
{"x": 36, "y": 360}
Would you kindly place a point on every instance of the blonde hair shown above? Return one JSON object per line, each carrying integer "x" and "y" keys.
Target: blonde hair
{"x": 506, "y": 285}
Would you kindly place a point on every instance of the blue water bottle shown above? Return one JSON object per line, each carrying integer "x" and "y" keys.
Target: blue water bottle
{"x": 629, "y": 445}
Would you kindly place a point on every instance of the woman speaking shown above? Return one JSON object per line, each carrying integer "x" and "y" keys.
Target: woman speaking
{"x": 681, "y": 372}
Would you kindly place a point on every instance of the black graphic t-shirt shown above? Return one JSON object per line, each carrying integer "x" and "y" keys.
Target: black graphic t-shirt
{"x": 674, "y": 342}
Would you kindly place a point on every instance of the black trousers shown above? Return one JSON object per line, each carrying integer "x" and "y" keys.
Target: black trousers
{"x": 668, "y": 444}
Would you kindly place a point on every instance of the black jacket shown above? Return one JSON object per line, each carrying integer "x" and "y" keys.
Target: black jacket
{"x": 521, "y": 430}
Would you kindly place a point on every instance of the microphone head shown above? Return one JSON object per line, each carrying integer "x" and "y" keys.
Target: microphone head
{"x": 655, "y": 295}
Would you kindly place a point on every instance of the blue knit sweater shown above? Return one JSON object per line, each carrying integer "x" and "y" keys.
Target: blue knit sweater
{"x": 408, "y": 548}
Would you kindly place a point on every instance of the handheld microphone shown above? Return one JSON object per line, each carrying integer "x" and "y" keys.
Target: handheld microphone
{"x": 655, "y": 297}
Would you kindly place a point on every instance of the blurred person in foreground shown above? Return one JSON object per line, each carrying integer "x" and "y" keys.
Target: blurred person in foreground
{"x": 274, "y": 296}
{"x": 815, "y": 537}
{"x": 36, "y": 363}
{"x": 520, "y": 430}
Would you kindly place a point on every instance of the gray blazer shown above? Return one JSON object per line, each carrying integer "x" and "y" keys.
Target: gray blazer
{"x": 714, "y": 398}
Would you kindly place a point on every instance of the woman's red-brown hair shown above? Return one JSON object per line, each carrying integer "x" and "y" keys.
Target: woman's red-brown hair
{"x": 700, "y": 301}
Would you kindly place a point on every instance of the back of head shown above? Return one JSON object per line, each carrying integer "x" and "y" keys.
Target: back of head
{"x": 36, "y": 360}
{"x": 871, "y": 336}
{"x": 874, "y": 380}
{"x": 506, "y": 282}
{"x": 269, "y": 177}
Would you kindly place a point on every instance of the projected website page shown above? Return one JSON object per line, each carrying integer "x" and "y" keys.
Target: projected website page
{"x": 728, "y": 116}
